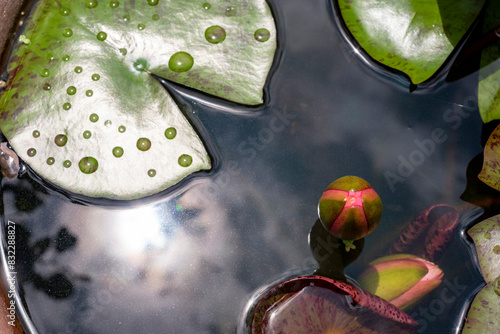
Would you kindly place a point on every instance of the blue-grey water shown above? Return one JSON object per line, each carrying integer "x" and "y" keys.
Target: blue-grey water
{"x": 189, "y": 261}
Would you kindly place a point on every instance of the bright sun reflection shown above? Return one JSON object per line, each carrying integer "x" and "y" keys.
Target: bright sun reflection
{"x": 139, "y": 229}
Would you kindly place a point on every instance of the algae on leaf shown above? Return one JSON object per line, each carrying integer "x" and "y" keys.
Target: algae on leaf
{"x": 412, "y": 36}
{"x": 83, "y": 110}
{"x": 484, "y": 313}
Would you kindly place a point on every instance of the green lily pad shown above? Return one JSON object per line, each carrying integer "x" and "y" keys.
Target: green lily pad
{"x": 412, "y": 36}
{"x": 490, "y": 173}
{"x": 484, "y": 313}
{"x": 83, "y": 110}
{"x": 489, "y": 73}
{"x": 486, "y": 236}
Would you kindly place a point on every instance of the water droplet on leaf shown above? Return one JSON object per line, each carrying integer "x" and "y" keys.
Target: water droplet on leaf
{"x": 67, "y": 32}
{"x": 67, "y": 106}
{"x": 94, "y": 118}
{"x": 91, "y": 3}
{"x": 180, "y": 62}
{"x": 50, "y": 161}
{"x": 117, "y": 151}
{"x": 78, "y": 69}
{"x": 36, "y": 133}
{"x": 65, "y": 11}
{"x": 114, "y": 4}
{"x": 215, "y": 34}
{"x": 31, "y": 152}
{"x": 185, "y": 160}
{"x": 141, "y": 65}
{"x": 262, "y": 35}
{"x": 67, "y": 163}
{"x": 101, "y": 35}
{"x": 87, "y": 134}
{"x": 61, "y": 140}
{"x": 88, "y": 165}
{"x": 143, "y": 144}
{"x": 71, "y": 90}
{"x": 96, "y": 77}
{"x": 231, "y": 11}
{"x": 170, "y": 133}
{"x": 151, "y": 173}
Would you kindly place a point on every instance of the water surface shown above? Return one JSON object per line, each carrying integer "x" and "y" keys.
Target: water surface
{"x": 188, "y": 261}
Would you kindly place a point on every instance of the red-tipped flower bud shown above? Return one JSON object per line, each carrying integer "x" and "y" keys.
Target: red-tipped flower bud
{"x": 349, "y": 208}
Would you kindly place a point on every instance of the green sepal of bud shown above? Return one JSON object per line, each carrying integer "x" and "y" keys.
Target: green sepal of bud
{"x": 349, "y": 244}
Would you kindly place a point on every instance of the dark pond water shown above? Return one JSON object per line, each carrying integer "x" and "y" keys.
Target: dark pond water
{"x": 189, "y": 261}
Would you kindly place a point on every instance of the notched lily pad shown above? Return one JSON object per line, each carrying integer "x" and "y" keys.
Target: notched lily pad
{"x": 412, "y": 36}
{"x": 489, "y": 74}
{"x": 490, "y": 173}
{"x": 486, "y": 236}
{"x": 484, "y": 313}
{"x": 83, "y": 110}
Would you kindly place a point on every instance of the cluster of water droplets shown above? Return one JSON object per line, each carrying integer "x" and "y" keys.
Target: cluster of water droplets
{"x": 180, "y": 61}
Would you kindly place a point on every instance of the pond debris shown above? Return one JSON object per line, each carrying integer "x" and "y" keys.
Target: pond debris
{"x": 24, "y": 39}
{"x": 9, "y": 162}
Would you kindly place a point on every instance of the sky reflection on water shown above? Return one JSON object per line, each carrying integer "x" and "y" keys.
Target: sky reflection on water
{"x": 190, "y": 263}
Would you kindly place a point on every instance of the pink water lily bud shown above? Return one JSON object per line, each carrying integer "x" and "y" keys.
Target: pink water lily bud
{"x": 401, "y": 279}
{"x": 349, "y": 208}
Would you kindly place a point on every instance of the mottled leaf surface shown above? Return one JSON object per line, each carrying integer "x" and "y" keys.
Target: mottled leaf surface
{"x": 490, "y": 174}
{"x": 489, "y": 74}
{"x": 484, "y": 313}
{"x": 82, "y": 109}
{"x": 486, "y": 236}
{"x": 412, "y": 36}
